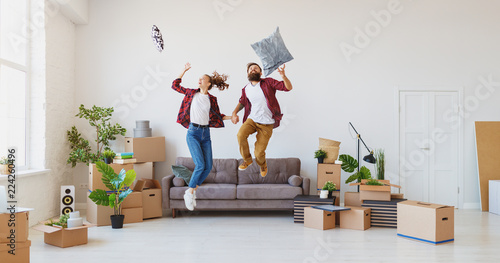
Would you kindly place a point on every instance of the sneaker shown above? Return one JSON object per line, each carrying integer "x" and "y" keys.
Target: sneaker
{"x": 188, "y": 200}
{"x": 263, "y": 171}
{"x": 194, "y": 198}
{"x": 244, "y": 166}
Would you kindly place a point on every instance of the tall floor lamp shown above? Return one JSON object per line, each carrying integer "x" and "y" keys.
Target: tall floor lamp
{"x": 368, "y": 158}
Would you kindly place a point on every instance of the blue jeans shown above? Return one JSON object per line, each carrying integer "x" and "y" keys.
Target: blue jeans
{"x": 200, "y": 146}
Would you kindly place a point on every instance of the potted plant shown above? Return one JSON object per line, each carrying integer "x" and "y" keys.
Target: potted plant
{"x": 108, "y": 156}
{"x": 119, "y": 185}
{"x": 380, "y": 164}
{"x": 98, "y": 117}
{"x": 349, "y": 165}
{"x": 320, "y": 155}
{"x": 330, "y": 187}
{"x": 4, "y": 165}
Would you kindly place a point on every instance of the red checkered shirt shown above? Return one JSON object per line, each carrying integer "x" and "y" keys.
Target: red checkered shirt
{"x": 269, "y": 87}
{"x": 184, "y": 112}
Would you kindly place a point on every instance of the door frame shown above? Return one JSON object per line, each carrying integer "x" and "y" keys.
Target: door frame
{"x": 460, "y": 90}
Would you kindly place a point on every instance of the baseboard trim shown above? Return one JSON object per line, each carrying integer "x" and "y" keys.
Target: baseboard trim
{"x": 472, "y": 206}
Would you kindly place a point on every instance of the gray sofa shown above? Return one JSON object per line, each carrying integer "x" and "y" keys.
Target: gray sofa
{"x": 227, "y": 188}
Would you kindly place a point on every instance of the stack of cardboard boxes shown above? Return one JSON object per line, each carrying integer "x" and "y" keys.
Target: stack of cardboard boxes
{"x": 14, "y": 243}
{"x": 330, "y": 172}
{"x": 145, "y": 201}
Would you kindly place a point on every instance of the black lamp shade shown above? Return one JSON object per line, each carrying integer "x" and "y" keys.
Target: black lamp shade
{"x": 370, "y": 158}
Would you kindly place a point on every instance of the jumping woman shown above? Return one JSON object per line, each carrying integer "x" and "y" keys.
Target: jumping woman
{"x": 199, "y": 111}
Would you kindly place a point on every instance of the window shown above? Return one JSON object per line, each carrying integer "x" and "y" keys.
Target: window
{"x": 14, "y": 78}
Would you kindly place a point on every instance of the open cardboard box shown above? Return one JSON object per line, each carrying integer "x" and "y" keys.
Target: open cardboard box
{"x": 375, "y": 192}
{"x": 64, "y": 237}
{"x": 22, "y": 252}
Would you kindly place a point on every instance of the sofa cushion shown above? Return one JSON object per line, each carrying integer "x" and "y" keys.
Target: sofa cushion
{"x": 278, "y": 171}
{"x": 224, "y": 171}
{"x": 267, "y": 191}
{"x": 207, "y": 191}
{"x": 177, "y": 181}
{"x": 295, "y": 180}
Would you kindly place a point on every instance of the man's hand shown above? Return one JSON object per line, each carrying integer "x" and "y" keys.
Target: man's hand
{"x": 235, "y": 119}
{"x": 282, "y": 71}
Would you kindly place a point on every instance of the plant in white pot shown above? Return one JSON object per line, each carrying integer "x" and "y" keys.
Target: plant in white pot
{"x": 119, "y": 184}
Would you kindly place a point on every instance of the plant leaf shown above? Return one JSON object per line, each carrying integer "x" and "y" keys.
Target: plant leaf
{"x": 99, "y": 197}
{"x": 349, "y": 164}
{"x": 112, "y": 200}
{"x": 129, "y": 177}
{"x": 353, "y": 177}
{"x": 123, "y": 194}
{"x": 108, "y": 174}
{"x": 364, "y": 173}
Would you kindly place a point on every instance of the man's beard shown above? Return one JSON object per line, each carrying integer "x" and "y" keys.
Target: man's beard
{"x": 254, "y": 76}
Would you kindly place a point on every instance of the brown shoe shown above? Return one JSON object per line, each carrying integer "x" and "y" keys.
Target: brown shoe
{"x": 263, "y": 171}
{"x": 244, "y": 166}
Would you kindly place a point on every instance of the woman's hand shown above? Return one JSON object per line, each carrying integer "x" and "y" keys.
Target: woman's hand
{"x": 186, "y": 68}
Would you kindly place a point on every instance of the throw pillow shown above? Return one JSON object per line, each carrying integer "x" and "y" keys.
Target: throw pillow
{"x": 295, "y": 180}
{"x": 179, "y": 182}
{"x": 182, "y": 172}
{"x": 272, "y": 52}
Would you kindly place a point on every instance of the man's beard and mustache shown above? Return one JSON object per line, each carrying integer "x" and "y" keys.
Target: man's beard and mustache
{"x": 254, "y": 76}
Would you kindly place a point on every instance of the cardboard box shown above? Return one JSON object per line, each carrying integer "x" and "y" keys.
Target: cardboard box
{"x": 97, "y": 214}
{"x": 22, "y": 252}
{"x": 146, "y": 149}
{"x": 328, "y": 172}
{"x": 319, "y": 219}
{"x": 151, "y": 199}
{"x": 426, "y": 222}
{"x": 375, "y": 192}
{"x": 302, "y": 201}
{"x": 352, "y": 199}
{"x": 95, "y": 181}
{"x": 133, "y": 200}
{"x": 132, "y": 215}
{"x": 144, "y": 171}
{"x": 21, "y": 228}
{"x": 358, "y": 218}
{"x": 64, "y": 237}
{"x": 494, "y": 197}
{"x": 397, "y": 196}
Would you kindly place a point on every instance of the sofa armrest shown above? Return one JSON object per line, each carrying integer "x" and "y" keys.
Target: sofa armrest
{"x": 166, "y": 184}
{"x": 306, "y": 183}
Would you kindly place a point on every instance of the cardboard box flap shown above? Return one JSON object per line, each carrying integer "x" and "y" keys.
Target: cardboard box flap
{"x": 19, "y": 245}
{"x": 139, "y": 185}
{"x": 52, "y": 229}
{"x": 385, "y": 182}
{"x": 152, "y": 184}
{"x": 424, "y": 204}
{"x": 79, "y": 227}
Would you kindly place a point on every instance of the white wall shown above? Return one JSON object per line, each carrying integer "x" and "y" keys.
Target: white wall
{"x": 432, "y": 43}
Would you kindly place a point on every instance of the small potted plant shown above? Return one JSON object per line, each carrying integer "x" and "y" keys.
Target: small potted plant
{"x": 4, "y": 165}
{"x": 119, "y": 184}
{"x": 108, "y": 156}
{"x": 320, "y": 155}
{"x": 330, "y": 187}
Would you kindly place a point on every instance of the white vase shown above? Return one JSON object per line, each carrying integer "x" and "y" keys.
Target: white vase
{"x": 323, "y": 194}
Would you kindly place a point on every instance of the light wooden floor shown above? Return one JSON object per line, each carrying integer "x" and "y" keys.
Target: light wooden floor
{"x": 270, "y": 237}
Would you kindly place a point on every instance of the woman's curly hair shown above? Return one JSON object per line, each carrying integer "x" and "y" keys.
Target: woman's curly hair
{"x": 218, "y": 80}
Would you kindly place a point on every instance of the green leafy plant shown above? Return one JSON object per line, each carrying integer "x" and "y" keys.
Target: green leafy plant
{"x": 349, "y": 165}
{"x": 108, "y": 154}
{"x": 319, "y": 154}
{"x": 117, "y": 183}
{"x": 380, "y": 164}
{"x": 98, "y": 117}
{"x": 373, "y": 182}
{"x": 63, "y": 221}
{"x": 330, "y": 186}
{"x": 4, "y": 160}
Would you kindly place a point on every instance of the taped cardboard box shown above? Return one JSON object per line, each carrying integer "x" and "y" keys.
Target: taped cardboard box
{"x": 352, "y": 199}
{"x": 20, "y": 227}
{"x": 319, "y": 219}
{"x": 22, "y": 252}
{"x": 431, "y": 223}
{"x": 95, "y": 177}
{"x": 132, "y": 215}
{"x": 357, "y": 218}
{"x": 146, "y": 149}
{"x": 64, "y": 237}
{"x": 328, "y": 172}
{"x": 375, "y": 192}
{"x": 151, "y": 198}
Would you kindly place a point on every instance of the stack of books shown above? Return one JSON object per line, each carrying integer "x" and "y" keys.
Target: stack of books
{"x": 124, "y": 158}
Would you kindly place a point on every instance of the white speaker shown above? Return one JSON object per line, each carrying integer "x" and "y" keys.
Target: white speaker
{"x": 67, "y": 199}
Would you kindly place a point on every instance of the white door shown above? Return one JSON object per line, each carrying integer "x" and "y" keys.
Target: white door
{"x": 428, "y": 141}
